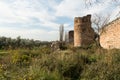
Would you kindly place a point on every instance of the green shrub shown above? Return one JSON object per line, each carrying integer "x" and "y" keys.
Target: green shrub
{"x": 101, "y": 71}
{"x": 71, "y": 64}
{"x": 45, "y": 50}
{"x": 115, "y": 56}
{"x": 37, "y": 73}
{"x": 21, "y": 58}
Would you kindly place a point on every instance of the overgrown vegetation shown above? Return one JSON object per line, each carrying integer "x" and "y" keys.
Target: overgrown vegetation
{"x": 42, "y": 63}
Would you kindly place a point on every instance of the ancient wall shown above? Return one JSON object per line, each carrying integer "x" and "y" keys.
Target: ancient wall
{"x": 83, "y": 32}
{"x": 110, "y": 36}
{"x": 71, "y": 36}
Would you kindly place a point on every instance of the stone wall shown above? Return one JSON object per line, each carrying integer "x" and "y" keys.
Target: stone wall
{"x": 83, "y": 32}
{"x": 71, "y": 36}
{"x": 110, "y": 36}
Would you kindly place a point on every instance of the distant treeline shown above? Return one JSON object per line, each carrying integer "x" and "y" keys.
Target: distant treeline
{"x": 9, "y": 43}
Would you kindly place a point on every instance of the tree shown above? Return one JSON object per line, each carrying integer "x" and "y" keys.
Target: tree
{"x": 94, "y": 1}
{"x": 18, "y": 40}
{"x": 61, "y": 31}
{"x": 99, "y": 23}
{"x": 66, "y": 36}
{"x": 112, "y": 2}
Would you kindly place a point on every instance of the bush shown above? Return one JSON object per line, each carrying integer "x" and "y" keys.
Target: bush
{"x": 21, "y": 58}
{"x": 70, "y": 64}
{"x": 101, "y": 71}
{"x": 45, "y": 50}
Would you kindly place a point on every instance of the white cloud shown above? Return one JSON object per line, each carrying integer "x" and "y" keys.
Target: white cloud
{"x": 43, "y": 13}
{"x": 69, "y": 8}
{"x": 115, "y": 13}
{"x": 31, "y": 34}
{"x": 22, "y": 12}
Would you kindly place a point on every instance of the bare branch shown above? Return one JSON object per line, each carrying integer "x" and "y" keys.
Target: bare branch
{"x": 99, "y": 22}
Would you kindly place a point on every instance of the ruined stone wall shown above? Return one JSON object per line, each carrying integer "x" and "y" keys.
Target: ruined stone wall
{"x": 83, "y": 33}
{"x": 110, "y": 37}
{"x": 71, "y": 36}
{"x": 77, "y": 31}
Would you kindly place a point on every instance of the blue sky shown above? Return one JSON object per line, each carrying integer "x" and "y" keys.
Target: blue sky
{"x": 40, "y": 19}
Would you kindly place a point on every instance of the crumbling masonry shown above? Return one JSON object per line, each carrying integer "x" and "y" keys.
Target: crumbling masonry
{"x": 84, "y": 35}
{"x": 83, "y": 32}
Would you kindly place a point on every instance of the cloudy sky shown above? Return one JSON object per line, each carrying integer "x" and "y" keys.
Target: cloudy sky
{"x": 40, "y": 19}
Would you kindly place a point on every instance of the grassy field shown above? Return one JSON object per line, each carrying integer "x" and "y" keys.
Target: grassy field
{"x": 71, "y": 64}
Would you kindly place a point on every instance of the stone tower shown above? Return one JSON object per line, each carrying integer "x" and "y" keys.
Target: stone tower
{"x": 83, "y": 32}
{"x": 71, "y": 36}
